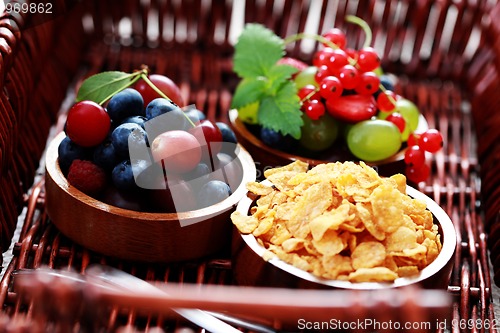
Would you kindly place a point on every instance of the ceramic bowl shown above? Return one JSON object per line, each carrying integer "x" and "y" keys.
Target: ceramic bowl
{"x": 267, "y": 157}
{"x": 251, "y": 269}
{"x": 140, "y": 236}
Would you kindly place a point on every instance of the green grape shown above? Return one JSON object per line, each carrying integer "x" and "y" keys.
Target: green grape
{"x": 319, "y": 134}
{"x": 406, "y": 134}
{"x": 305, "y": 77}
{"x": 379, "y": 71}
{"x": 249, "y": 113}
{"x": 374, "y": 140}
{"x": 409, "y": 111}
{"x": 383, "y": 115}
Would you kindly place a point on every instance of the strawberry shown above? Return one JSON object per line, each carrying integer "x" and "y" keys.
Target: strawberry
{"x": 352, "y": 108}
{"x": 298, "y": 64}
{"x": 87, "y": 177}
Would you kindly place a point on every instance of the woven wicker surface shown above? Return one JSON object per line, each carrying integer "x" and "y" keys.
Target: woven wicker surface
{"x": 450, "y": 73}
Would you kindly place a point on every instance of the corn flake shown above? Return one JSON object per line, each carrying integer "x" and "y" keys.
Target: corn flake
{"x": 341, "y": 221}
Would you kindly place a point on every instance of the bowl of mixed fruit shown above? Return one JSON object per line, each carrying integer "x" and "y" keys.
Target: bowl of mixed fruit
{"x": 137, "y": 175}
{"x": 339, "y": 106}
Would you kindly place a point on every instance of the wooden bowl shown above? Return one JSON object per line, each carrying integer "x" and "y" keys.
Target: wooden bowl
{"x": 267, "y": 157}
{"x": 140, "y": 236}
{"x": 250, "y": 268}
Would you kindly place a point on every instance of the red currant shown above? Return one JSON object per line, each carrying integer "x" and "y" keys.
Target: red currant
{"x": 87, "y": 124}
{"x": 397, "y": 119}
{"x": 336, "y": 36}
{"x": 349, "y": 76}
{"x": 414, "y": 156}
{"x": 352, "y": 53}
{"x": 368, "y": 83}
{"x": 368, "y": 59}
{"x": 321, "y": 57}
{"x": 431, "y": 140}
{"x": 337, "y": 59}
{"x": 330, "y": 87}
{"x": 308, "y": 92}
{"x": 321, "y": 73}
{"x": 386, "y": 101}
{"x": 413, "y": 139}
{"x": 418, "y": 174}
{"x": 313, "y": 108}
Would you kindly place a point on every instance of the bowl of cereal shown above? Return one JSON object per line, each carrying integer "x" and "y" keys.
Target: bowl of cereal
{"x": 340, "y": 225}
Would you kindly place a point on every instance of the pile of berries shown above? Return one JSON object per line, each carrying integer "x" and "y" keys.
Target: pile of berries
{"x": 143, "y": 152}
{"x": 347, "y": 101}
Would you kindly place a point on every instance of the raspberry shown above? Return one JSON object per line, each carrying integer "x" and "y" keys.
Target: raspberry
{"x": 87, "y": 177}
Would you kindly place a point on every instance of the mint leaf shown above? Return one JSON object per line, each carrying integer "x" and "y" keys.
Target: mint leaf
{"x": 278, "y": 74}
{"x": 102, "y": 86}
{"x": 281, "y": 112}
{"x": 256, "y": 57}
{"x": 248, "y": 91}
{"x": 257, "y": 50}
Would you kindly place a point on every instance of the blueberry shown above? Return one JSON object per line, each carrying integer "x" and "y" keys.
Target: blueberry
{"x": 276, "y": 140}
{"x": 126, "y": 103}
{"x": 125, "y": 134}
{"x": 106, "y": 156}
{"x": 68, "y": 152}
{"x": 227, "y": 133}
{"x": 163, "y": 116}
{"x": 195, "y": 115}
{"x": 387, "y": 82}
{"x": 159, "y": 106}
{"x": 213, "y": 192}
{"x": 123, "y": 176}
{"x": 139, "y": 120}
{"x": 270, "y": 137}
{"x": 131, "y": 201}
{"x": 202, "y": 170}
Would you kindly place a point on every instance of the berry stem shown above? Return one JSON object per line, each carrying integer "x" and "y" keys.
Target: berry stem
{"x": 144, "y": 76}
{"x": 366, "y": 28}
{"x": 308, "y": 96}
{"x": 293, "y": 38}
{"x": 303, "y": 35}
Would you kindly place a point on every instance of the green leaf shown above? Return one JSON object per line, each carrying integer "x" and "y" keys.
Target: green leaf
{"x": 279, "y": 74}
{"x": 281, "y": 112}
{"x": 102, "y": 86}
{"x": 257, "y": 50}
{"x": 248, "y": 91}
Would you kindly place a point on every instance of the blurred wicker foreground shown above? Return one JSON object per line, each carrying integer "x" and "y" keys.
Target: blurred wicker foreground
{"x": 446, "y": 54}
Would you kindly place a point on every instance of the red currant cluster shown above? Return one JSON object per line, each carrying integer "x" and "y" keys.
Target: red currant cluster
{"x": 418, "y": 144}
{"x": 339, "y": 70}
{"x": 346, "y": 85}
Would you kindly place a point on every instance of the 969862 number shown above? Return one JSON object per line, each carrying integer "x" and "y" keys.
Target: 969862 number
{"x": 32, "y": 8}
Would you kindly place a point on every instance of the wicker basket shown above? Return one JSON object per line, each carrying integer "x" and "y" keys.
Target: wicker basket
{"x": 445, "y": 53}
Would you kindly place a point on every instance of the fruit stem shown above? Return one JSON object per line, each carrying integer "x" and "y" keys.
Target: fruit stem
{"x": 293, "y": 38}
{"x": 144, "y": 76}
{"x": 134, "y": 78}
{"x": 308, "y": 96}
{"x": 382, "y": 88}
{"x": 303, "y": 35}
{"x": 366, "y": 28}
